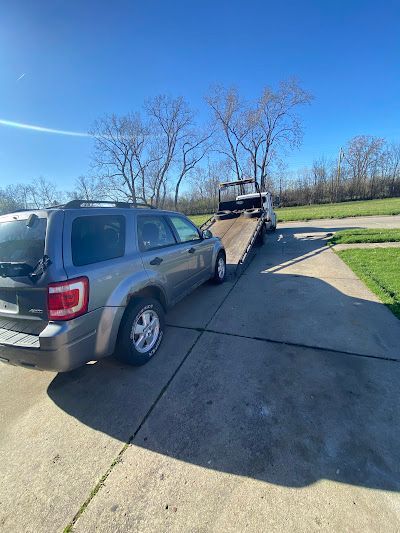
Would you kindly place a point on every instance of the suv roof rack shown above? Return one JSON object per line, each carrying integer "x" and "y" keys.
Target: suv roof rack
{"x": 76, "y": 204}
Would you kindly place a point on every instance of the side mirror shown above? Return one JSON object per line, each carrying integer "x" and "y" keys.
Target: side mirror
{"x": 207, "y": 234}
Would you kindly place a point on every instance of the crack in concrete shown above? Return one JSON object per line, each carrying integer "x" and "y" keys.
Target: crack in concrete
{"x": 118, "y": 458}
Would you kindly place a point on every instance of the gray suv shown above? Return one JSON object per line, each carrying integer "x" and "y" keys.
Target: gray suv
{"x": 84, "y": 280}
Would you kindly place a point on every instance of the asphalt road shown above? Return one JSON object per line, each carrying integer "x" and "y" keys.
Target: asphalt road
{"x": 273, "y": 404}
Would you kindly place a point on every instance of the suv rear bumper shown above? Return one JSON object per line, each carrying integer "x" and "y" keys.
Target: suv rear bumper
{"x": 67, "y": 345}
{"x": 67, "y": 357}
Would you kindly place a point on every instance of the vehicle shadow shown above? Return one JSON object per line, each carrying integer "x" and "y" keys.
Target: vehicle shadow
{"x": 281, "y": 413}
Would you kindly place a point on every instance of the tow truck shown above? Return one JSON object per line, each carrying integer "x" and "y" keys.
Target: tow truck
{"x": 243, "y": 217}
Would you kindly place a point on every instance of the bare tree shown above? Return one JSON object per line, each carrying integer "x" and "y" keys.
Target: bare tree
{"x": 255, "y": 132}
{"x": 229, "y": 111}
{"x": 44, "y": 193}
{"x": 121, "y": 155}
{"x": 87, "y": 188}
{"x": 9, "y": 200}
{"x": 274, "y": 125}
{"x": 134, "y": 156}
{"x": 322, "y": 182}
{"x": 170, "y": 124}
{"x": 362, "y": 155}
{"x": 392, "y": 160}
{"x": 206, "y": 180}
{"x": 193, "y": 149}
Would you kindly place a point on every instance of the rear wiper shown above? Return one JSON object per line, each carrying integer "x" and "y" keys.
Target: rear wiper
{"x": 40, "y": 268}
{"x": 19, "y": 269}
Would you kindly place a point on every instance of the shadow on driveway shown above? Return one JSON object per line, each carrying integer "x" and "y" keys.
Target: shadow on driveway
{"x": 281, "y": 413}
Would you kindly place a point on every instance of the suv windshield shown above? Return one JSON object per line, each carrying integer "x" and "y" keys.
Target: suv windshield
{"x": 21, "y": 243}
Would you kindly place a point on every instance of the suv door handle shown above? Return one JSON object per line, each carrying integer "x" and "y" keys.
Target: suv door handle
{"x": 191, "y": 250}
{"x": 156, "y": 261}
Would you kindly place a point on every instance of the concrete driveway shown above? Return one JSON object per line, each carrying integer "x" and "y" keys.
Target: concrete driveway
{"x": 273, "y": 405}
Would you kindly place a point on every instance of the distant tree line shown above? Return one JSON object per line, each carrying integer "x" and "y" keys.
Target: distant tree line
{"x": 163, "y": 157}
{"x": 367, "y": 167}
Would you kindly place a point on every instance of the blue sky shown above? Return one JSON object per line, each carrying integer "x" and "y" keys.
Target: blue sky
{"x": 79, "y": 60}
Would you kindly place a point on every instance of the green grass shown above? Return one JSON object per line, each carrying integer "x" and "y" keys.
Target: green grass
{"x": 199, "y": 219}
{"x": 350, "y": 236}
{"x": 388, "y": 206}
{"x": 379, "y": 269}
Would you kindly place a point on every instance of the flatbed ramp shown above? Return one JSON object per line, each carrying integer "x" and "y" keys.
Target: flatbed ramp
{"x": 238, "y": 236}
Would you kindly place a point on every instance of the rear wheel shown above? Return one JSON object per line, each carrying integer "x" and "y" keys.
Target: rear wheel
{"x": 260, "y": 239}
{"x": 141, "y": 332}
{"x": 220, "y": 269}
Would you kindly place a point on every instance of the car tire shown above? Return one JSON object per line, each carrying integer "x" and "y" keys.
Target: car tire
{"x": 225, "y": 215}
{"x": 138, "y": 341}
{"x": 219, "y": 271}
{"x": 252, "y": 213}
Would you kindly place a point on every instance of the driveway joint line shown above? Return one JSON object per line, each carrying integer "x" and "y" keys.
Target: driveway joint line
{"x": 118, "y": 458}
{"x": 286, "y": 343}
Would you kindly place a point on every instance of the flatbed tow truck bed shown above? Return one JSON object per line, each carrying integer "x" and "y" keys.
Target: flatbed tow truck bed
{"x": 238, "y": 236}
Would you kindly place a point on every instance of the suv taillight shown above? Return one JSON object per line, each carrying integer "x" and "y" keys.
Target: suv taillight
{"x": 67, "y": 299}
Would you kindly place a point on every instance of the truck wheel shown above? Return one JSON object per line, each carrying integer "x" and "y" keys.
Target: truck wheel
{"x": 252, "y": 213}
{"x": 260, "y": 239}
{"x": 220, "y": 269}
{"x": 141, "y": 332}
{"x": 273, "y": 227}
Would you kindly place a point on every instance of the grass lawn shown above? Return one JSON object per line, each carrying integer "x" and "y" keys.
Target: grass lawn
{"x": 199, "y": 219}
{"x": 388, "y": 206}
{"x": 350, "y": 236}
{"x": 379, "y": 268}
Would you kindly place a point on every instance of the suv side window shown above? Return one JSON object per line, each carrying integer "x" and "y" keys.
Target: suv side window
{"x": 97, "y": 238}
{"x": 185, "y": 229}
{"x": 154, "y": 232}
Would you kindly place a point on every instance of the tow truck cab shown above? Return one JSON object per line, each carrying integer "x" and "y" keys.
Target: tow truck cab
{"x": 267, "y": 203}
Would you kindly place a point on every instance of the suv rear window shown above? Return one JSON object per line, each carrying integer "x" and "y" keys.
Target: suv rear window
{"x": 97, "y": 238}
{"x": 21, "y": 242}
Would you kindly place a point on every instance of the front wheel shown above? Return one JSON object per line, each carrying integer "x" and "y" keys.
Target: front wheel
{"x": 141, "y": 332}
{"x": 220, "y": 269}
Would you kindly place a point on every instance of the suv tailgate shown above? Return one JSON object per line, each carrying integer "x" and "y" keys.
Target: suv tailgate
{"x": 23, "y": 295}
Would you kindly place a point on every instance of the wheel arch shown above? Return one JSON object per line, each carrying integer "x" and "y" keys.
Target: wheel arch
{"x": 150, "y": 291}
